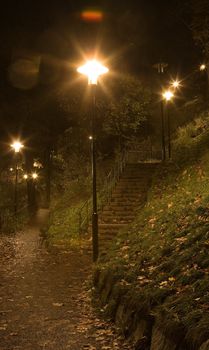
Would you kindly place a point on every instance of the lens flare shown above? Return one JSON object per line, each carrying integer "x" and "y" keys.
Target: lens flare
{"x": 92, "y": 15}
{"x": 203, "y": 67}
{"x": 16, "y": 146}
{"x": 92, "y": 69}
{"x": 168, "y": 95}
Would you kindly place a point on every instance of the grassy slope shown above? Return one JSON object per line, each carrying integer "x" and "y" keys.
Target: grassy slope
{"x": 163, "y": 258}
{"x": 63, "y": 225}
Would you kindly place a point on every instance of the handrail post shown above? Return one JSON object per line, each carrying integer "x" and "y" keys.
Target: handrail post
{"x": 79, "y": 223}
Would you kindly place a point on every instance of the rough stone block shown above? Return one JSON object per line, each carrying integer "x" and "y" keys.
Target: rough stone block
{"x": 205, "y": 346}
{"x": 160, "y": 342}
{"x": 139, "y": 335}
{"x": 109, "y": 283}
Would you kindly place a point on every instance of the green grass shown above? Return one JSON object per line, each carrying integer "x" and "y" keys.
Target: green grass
{"x": 163, "y": 256}
{"x": 63, "y": 224}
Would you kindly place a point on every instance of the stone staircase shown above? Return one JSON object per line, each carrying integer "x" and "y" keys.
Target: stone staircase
{"x": 129, "y": 194}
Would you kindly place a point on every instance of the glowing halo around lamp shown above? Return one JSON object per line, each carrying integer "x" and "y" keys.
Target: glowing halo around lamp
{"x": 175, "y": 84}
{"x": 34, "y": 176}
{"x": 17, "y": 146}
{"x": 92, "y": 69}
{"x": 203, "y": 67}
{"x": 168, "y": 95}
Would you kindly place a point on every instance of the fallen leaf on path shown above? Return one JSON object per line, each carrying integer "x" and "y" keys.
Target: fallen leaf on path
{"x": 57, "y": 304}
{"x": 3, "y": 328}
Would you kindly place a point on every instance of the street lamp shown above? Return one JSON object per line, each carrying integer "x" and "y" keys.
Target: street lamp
{"x": 16, "y": 146}
{"x": 34, "y": 176}
{"x": 203, "y": 67}
{"x": 93, "y": 69}
{"x": 167, "y": 96}
{"x": 175, "y": 84}
{"x": 161, "y": 66}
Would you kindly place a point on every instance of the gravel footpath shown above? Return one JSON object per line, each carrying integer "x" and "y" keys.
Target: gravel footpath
{"x": 44, "y": 301}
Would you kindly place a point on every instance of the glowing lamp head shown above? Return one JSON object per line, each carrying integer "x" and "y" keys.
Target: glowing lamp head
{"x": 16, "y": 146}
{"x": 92, "y": 69}
{"x": 175, "y": 84}
{"x": 25, "y": 176}
{"x": 202, "y": 67}
{"x": 168, "y": 95}
{"x": 34, "y": 176}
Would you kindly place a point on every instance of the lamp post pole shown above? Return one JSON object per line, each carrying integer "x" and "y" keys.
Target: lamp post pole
{"x": 16, "y": 146}
{"x": 160, "y": 67}
{"x": 93, "y": 69}
{"x": 169, "y": 132}
{"x": 16, "y": 179}
{"x": 167, "y": 96}
{"x": 163, "y": 130}
{"x": 94, "y": 176}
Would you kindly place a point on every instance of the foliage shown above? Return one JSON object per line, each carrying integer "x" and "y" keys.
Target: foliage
{"x": 163, "y": 255}
{"x": 9, "y": 223}
{"x": 192, "y": 140}
{"x": 200, "y": 24}
{"x": 64, "y": 220}
{"x": 127, "y": 109}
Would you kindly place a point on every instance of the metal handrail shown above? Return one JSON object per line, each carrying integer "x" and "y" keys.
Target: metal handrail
{"x": 84, "y": 214}
{"x": 104, "y": 196}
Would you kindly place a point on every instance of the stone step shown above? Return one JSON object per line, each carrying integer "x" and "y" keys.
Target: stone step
{"x": 141, "y": 166}
{"x": 131, "y": 194}
{"x": 137, "y": 173}
{"x": 116, "y": 218}
{"x": 122, "y": 213}
{"x": 133, "y": 181}
{"x": 128, "y": 190}
{"x": 125, "y": 196}
{"x": 115, "y": 221}
{"x": 124, "y": 201}
{"x": 123, "y": 188}
{"x": 130, "y": 185}
{"x": 110, "y": 228}
{"x": 123, "y": 207}
{"x": 106, "y": 237}
{"x": 128, "y": 196}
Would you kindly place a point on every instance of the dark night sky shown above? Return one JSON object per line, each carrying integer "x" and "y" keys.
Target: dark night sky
{"x": 144, "y": 30}
{"x": 51, "y": 35}
{"x": 41, "y": 43}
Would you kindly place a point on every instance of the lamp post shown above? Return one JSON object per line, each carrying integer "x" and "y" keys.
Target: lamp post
{"x": 34, "y": 176}
{"x": 16, "y": 146}
{"x": 203, "y": 67}
{"x": 161, "y": 69}
{"x": 93, "y": 69}
{"x": 168, "y": 95}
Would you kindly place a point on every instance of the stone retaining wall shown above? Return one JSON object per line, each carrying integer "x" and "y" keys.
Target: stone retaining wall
{"x": 137, "y": 324}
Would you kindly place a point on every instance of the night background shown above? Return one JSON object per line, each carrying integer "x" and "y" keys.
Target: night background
{"x": 42, "y": 44}
{"x": 104, "y": 185}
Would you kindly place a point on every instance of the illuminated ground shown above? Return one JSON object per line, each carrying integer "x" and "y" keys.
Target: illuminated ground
{"x": 44, "y": 302}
